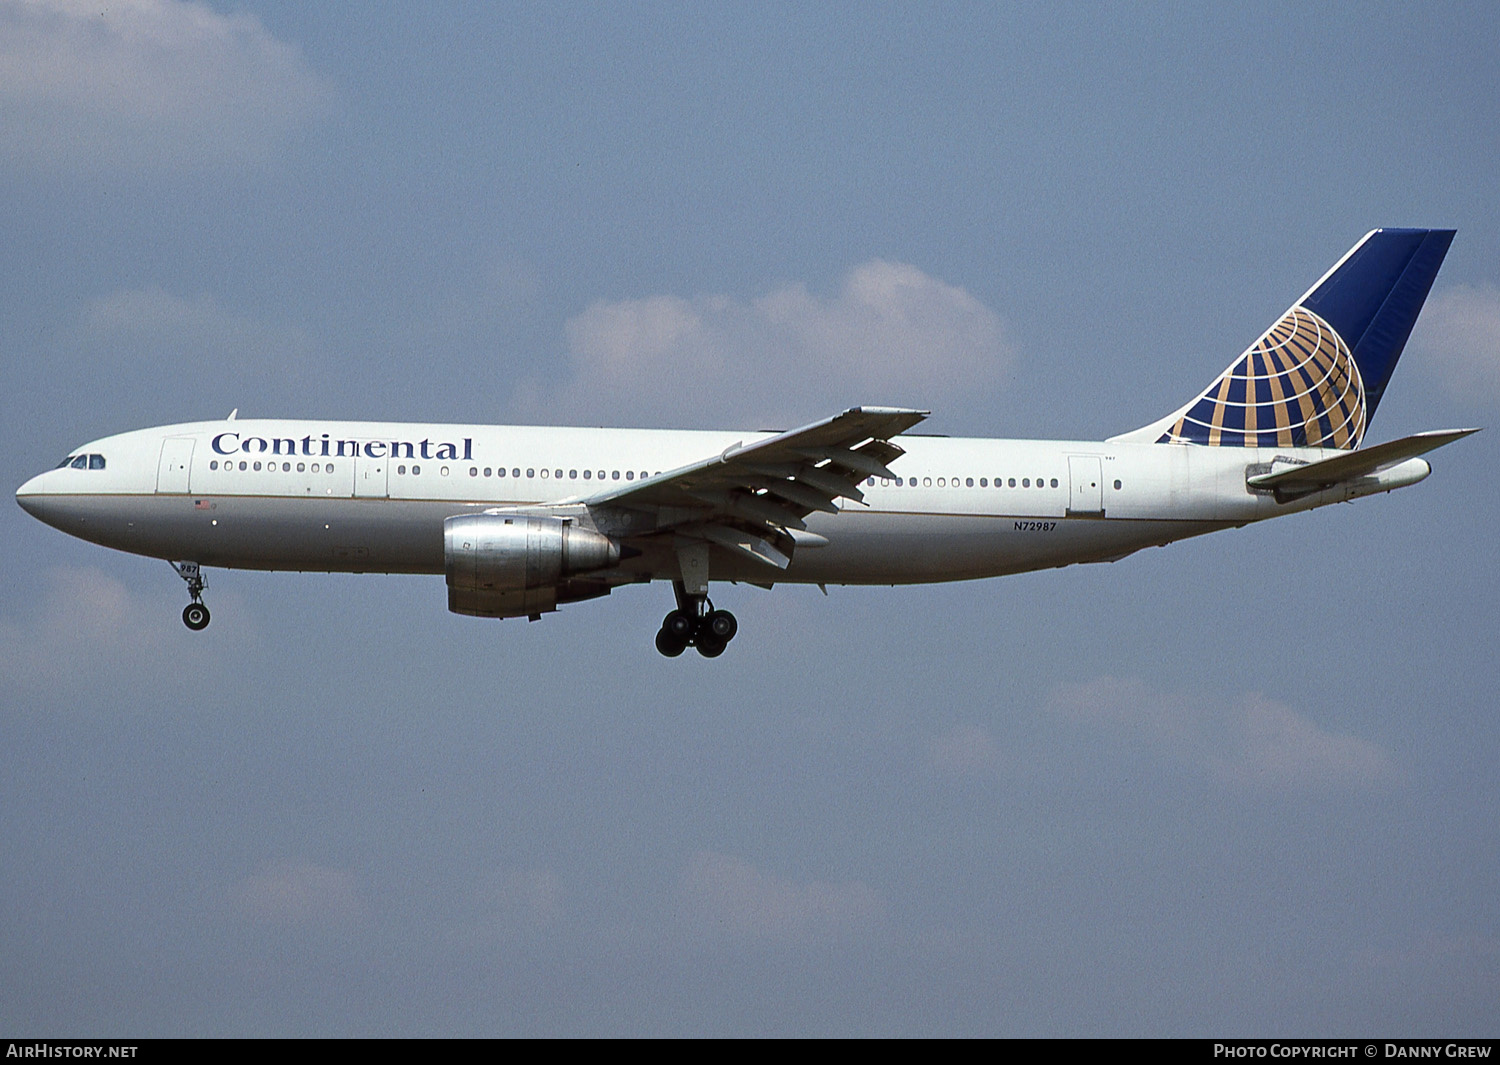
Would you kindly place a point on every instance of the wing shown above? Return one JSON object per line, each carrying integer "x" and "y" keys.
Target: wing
{"x": 754, "y": 499}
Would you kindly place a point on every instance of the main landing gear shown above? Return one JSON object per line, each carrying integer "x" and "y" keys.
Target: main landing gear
{"x": 695, "y": 623}
{"x": 195, "y": 615}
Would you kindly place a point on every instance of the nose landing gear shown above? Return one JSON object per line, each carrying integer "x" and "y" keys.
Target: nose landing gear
{"x": 195, "y": 615}
{"x": 695, "y": 623}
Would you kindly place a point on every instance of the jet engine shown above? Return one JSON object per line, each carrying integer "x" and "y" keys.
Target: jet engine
{"x": 512, "y": 565}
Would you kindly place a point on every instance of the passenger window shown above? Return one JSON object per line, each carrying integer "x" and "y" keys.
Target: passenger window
{"x": 572, "y": 475}
{"x": 414, "y": 470}
{"x": 286, "y": 467}
{"x": 243, "y": 466}
{"x": 588, "y": 474}
{"x": 445, "y": 471}
{"x": 968, "y": 482}
{"x": 984, "y": 482}
{"x": 614, "y": 475}
{"x": 302, "y": 468}
{"x": 530, "y": 471}
{"x": 214, "y": 465}
{"x": 256, "y": 464}
{"x": 1025, "y": 482}
{"x": 544, "y": 474}
{"x": 1054, "y": 482}
{"x": 630, "y": 475}
{"x": 1012, "y": 482}
{"x": 1117, "y": 486}
{"x": 926, "y": 482}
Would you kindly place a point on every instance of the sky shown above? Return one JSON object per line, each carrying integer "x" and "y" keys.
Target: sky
{"x": 1244, "y": 785}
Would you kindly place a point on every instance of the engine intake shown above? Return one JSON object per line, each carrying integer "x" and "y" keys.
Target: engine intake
{"x": 501, "y": 566}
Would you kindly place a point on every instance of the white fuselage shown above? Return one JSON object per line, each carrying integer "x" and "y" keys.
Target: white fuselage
{"x": 372, "y": 497}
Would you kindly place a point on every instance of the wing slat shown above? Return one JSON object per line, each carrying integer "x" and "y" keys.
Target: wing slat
{"x": 746, "y": 499}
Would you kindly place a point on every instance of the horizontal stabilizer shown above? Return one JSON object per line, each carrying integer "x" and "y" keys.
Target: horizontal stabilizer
{"x": 1361, "y": 463}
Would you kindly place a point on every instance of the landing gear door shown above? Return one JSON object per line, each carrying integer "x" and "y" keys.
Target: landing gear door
{"x": 1087, "y": 493}
{"x": 176, "y": 459}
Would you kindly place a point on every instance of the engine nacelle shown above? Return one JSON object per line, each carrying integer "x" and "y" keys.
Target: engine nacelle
{"x": 510, "y": 565}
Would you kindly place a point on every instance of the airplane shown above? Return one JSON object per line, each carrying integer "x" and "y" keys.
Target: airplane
{"x": 524, "y": 519}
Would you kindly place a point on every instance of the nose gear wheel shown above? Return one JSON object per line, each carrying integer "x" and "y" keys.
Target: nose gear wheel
{"x": 195, "y": 615}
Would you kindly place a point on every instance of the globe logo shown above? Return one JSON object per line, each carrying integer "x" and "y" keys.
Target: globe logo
{"x": 1297, "y": 386}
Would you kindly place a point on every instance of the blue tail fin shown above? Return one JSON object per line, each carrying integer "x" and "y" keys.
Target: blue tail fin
{"x": 1315, "y": 378}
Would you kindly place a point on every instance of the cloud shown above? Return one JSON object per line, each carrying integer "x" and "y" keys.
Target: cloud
{"x": 1459, "y": 332}
{"x": 1272, "y": 746}
{"x": 89, "y": 643}
{"x": 519, "y": 901}
{"x": 153, "y": 315}
{"x": 891, "y": 335}
{"x": 964, "y": 751}
{"x": 146, "y": 84}
{"x": 83, "y": 614}
{"x": 724, "y": 895}
{"x": 1248, "y": 742}
{"x": 290, "y": 893}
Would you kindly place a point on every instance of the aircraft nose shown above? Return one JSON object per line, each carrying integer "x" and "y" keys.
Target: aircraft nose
{"x": 32, "y": 496}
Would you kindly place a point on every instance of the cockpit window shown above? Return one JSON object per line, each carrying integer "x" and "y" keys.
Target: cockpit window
{"x": 65, "y": 462}
{"x": 80, "y": 463}
{"x": 96, "y": 462}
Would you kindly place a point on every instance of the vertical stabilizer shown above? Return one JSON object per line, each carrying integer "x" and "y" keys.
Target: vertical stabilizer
{"x": 1316, "y": 376}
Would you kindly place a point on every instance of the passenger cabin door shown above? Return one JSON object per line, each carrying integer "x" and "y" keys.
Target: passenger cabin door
{"x": 176, "y": 459}
{"x": 1087, "y": 495}
{"x": 370, "y": 477}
